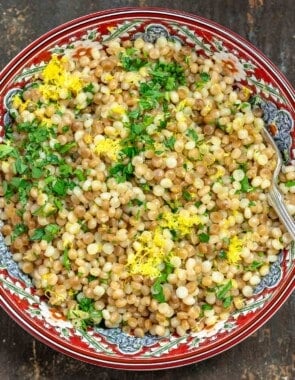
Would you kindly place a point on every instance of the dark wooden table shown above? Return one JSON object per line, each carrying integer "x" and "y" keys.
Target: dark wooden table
{"x": 269, "y": 354}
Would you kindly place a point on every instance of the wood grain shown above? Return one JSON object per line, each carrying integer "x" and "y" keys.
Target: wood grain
{"x": 269, "y": 354}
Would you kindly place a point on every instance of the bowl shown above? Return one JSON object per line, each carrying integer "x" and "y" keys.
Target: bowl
{"x": 111, "y": 347}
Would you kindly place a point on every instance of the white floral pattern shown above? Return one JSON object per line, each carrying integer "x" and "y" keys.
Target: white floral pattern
{"x": 232, "y": 64}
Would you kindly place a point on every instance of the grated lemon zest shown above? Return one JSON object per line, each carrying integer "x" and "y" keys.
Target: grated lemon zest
{"x": 56, "y": 77}
{"x": 108, "y": 147}
{"x": 150, "y": 253}
{"x": 234, "y": 250}
{"x": 182, "y": 222}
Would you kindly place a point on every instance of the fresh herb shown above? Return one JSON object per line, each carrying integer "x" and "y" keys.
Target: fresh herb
{"x": 65, "y": 260}
{"x": 191, "y": 133}
{"x": 89, "y": 88}
{"x": 187, "y": 195}
{"x": 222, "y": 255}
{"x": 150, "y": 95}
{"x": 254, "y": 266}
{"x": 19, "y": 230}
{"x": 245, "y": 185}
{"x": 81, "y": 176}
{"x": 170, "y": 142}
{"x": 204, "y": 238}
{"x": 122, "y": 172}
{"x": 157, "y": 288}
{"x": 290, "y": 183}
{"x": 168, "y": 75}
{"x": 198, "y": 204}
{"x": 204, "y": 78}
{"x": 130, "y": 151}
{"x": 145, "y": 186}
{"x": 86, "y": 314}
{"x": 20, "y": 166}
{"x": 65, "y": 148}
{"x": 222, "y": 293}
{"x": 7, "y": 150}
{"x": 47, "y": 233}
{"x": 130, "y": 62}
{"x": 206, "y": 306}
{"x": 252, "y": 203}
{"x": 36, "y": 172}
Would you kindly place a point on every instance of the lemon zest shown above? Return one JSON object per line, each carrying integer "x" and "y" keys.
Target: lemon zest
{"x": 234, "y": 250}
{"x": 108, "y": 147}
{"x": 182, "y": 222}
{"x": 150, "y": 253}
{"x": 56, "y": 77}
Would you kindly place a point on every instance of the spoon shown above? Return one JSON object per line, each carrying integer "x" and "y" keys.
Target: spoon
{"x": 275, "y": 197}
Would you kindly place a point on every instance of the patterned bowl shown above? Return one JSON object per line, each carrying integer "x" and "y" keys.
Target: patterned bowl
{"x": 111, "y": 347}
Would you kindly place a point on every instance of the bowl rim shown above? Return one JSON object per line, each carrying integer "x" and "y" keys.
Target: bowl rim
{"x": 286, "y": 288}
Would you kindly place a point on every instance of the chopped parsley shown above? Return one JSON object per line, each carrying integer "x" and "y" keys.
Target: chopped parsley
{"x": 170, "y": 142}
{"x": 204, "y": 78}
{"x": 122, "y": 172}
{"x": 290, "y": 183}
{"x": 254, "y": 266}
{"x": 187, "y": 195}
{"x": 65, "y": 260}
{"x": 204, "y": 238}
{"x": 222, "y": 293}
{"x": 192, "y": 134}
{"x": 18, "y": 230}
{"x": 47, "y": 233}
{"x": 157, "y": 288}
{"x": 130, "y": 62}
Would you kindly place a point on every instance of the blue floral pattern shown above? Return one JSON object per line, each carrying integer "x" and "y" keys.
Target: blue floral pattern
{"x": 272, "y": 278}
{"x": 127, "y": 344}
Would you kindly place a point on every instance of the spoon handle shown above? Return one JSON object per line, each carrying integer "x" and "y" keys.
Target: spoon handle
{"x": 277, "y": 202}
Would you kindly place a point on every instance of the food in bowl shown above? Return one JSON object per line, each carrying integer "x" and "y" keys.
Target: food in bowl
{"x": 134, "y": 187}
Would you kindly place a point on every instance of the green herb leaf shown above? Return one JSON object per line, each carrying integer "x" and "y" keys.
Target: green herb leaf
{"x": 191, "y": 133}
{"x": 37, "y": 234}
{"x": 20, "y": 166}
{"x": 47, "y": 233}
{"x": 131, "y": 63}
{"x": 222, "y": 255}
{"x": 7, "y": 150}
{"x": 65, "y": 148}
{"x": 36, "y": 172}
{"x": 80, "y": 175}
{"x": 157, "y": 292}
{"x": 170, "y": 142}
{"x": 204, "y": 238}
{"x": 290, "y": 183}
{"x": 254, "y": 266}
{"x": 222, "y": 290}
{"x": 89, "y": 88}
{"x": 206, "y": 306}
{"x": 245, "y": 185}
{"x": 86, "y": 304}
{"x": 204, "y": 78}
{"x": 122, "y": 172}
{"x": 19, "y": 230}
{"x": 227, "y": 301}
{"x": 187, "y": 195}
{"x": 65, "y": 260}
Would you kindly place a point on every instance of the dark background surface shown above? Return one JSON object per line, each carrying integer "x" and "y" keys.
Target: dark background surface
{"x": 269, "y": 354}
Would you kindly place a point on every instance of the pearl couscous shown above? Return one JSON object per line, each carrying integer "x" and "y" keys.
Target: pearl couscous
{"x": 134, "y": 184}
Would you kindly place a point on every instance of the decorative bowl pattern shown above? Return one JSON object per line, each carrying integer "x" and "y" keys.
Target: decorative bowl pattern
{"x": 111, "y": 347}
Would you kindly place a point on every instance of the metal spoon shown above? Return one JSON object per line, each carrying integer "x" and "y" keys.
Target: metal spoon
{"x": 275, "y": 198}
